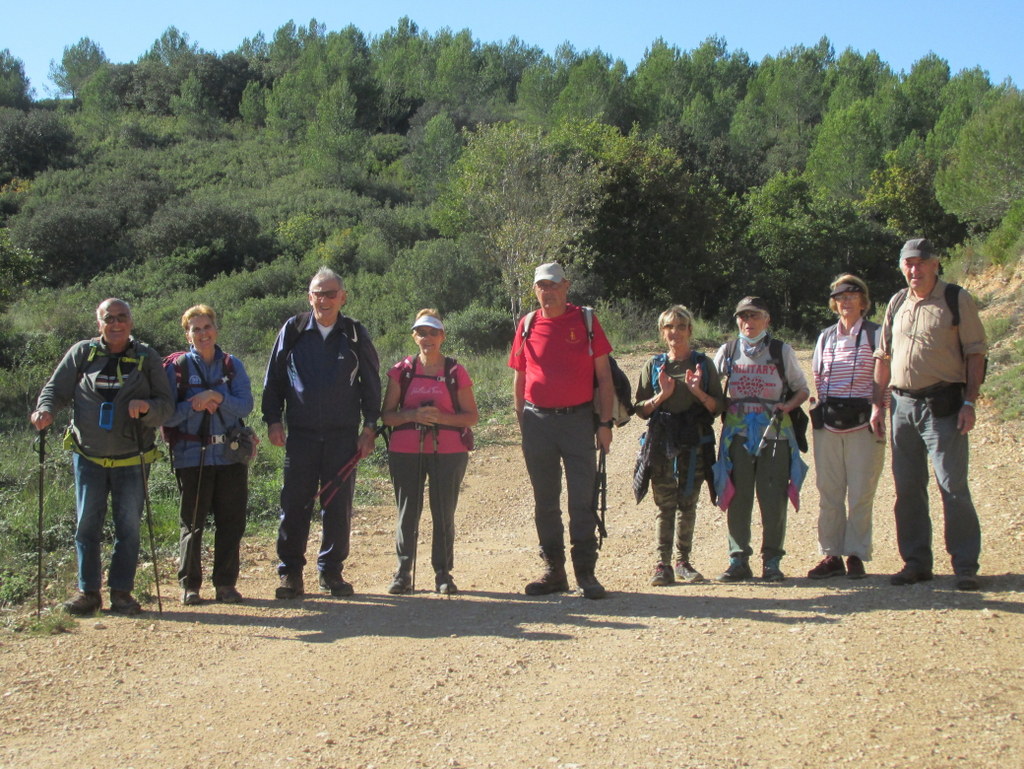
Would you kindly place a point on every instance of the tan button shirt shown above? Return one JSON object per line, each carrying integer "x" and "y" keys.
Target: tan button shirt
{"x": 926, "y": 346}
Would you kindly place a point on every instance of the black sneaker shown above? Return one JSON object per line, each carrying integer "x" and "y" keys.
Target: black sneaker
{"x": 830, "y": 566}
{"x": 855, "y": 568}
{"x": 291, "y": 587}
{"x": 662, "y": 575}
{"x": 910, "y": 575}
{"x": 190, "y": 597}
{"x": 771, "y": 571}
{"x": 84, "y": 604}
{"x": 739, "y": 570}
{"x": 444, "y": 584}
{"x": 967, "y": 582}
{"x": 401, "y": 584}
{"x": 334, "y": 584}
{"x": 686, "y": 572}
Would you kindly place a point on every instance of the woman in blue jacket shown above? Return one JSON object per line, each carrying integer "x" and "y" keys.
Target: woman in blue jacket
{"x": 213, "y": 395}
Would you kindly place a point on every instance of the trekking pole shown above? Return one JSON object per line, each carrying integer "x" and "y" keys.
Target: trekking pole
{"x": 41, "y": 440}
{"x": 600, "y": 504}
{"x": 149, "y": 510}
{"x": 444, "y": 520}
{"x": 775, "y": 422}
{"x": 204, "y": 437}
{"x": 420, "y": 482}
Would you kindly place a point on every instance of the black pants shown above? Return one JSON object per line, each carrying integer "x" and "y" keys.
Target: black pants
{"x": 224, "y": 492}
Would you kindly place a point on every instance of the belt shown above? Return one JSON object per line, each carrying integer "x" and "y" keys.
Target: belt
{"x": 927, "y": 391}
{"x": 210, "y": 440}
{"x": 561, "y": 410}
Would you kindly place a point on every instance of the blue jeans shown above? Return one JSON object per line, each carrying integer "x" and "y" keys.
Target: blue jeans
{"x": 93, "y": 485}
{"x": 917, "y": 437}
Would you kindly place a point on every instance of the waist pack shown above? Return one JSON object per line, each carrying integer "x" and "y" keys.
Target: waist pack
{"x": 845, "y": 413}
{"x": 240, "y": 444}
{"x": 946, "y": 400}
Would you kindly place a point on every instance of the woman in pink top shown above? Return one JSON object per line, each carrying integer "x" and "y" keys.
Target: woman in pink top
{"x": 430, "y": 407}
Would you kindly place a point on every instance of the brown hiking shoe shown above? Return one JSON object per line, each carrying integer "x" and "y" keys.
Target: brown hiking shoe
{"x": 589, "y": 585}
{"x": 553, "y": 580}
{"x": 291, "y": 587}
{"x": 228, "y": 594}
{"x": 334, "y": 583}
{"x": 84, "y": 604}
{"x": 122, "y": 602}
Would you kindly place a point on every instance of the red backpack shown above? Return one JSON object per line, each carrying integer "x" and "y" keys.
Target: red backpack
{"x": 179, "y": 361}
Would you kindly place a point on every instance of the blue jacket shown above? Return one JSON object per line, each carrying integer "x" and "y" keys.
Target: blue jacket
{"x": 322, "y": 385}
{"x": 237, "y": 404}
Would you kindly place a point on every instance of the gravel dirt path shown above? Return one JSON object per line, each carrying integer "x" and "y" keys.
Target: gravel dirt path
{"x": 799, "y": 674}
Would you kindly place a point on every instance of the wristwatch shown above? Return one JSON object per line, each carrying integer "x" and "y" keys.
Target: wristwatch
{"x": 609, "y": 424}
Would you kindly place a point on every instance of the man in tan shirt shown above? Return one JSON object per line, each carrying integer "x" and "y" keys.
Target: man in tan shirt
{"x": 935, "y": 366}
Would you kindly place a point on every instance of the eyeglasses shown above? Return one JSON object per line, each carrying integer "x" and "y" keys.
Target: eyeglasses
{"x": 426, "y": 331}
{"x": 331, "y": 293}
{"x": 121, "y": 317}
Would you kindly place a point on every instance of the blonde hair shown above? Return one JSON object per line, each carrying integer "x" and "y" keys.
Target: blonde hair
{"x": 197, "y": 310}
{"x": 850, "y": 278}
{"x": 428, "y": 311}
{"x": 675, "y": 312}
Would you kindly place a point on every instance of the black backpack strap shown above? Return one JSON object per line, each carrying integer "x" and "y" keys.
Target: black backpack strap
{"x": 890, "y": 315}
{"x": 449, "y": 379}
{"x": 953, "y": 301}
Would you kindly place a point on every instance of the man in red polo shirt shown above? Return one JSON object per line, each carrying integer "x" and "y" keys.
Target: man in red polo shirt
{"x": 555, "y": 364}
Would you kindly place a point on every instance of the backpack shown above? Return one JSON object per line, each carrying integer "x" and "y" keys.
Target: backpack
{"x": 952, "y": 297}
{"x": 622, "y": 409}
{"x": 797, "y": 416}
{"x": 95, "y": 351}
{"x": 408, "y": 371}
{"x": 179, "y": 362}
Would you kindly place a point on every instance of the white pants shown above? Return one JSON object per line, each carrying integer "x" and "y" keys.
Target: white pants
{"x": 847, "y": 467}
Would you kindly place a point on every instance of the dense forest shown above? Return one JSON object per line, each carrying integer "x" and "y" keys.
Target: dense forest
{"x": 436, "y": 170}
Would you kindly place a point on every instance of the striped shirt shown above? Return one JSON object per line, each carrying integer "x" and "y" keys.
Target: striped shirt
{"x": 842, "y": 367}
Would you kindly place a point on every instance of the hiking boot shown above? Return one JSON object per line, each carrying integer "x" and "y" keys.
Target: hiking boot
{"x": 291, "y": 587}
{"x": 333, "y": 583}
{"x": 589, "y": 585}
{"x": 771, "y": 571}
{"x": 228, "y": 594}
{"x": 401, "y": 584}
{"x": 830, "y": 566}
{"x": 739, "y": 570}
{"x": 662, "y": 575}
{"x": 190, "y": 597}
{"x": 686, "y": 572}
{"x": 855, "y": 568}
{"x": 553, "y": 580}
{"x": 85, "y": 603}
{"x": 967, "y": 582}
{"x": 910, "y": 575}
{"x": 123, "y": 602}
{"x": 444, "y": 584}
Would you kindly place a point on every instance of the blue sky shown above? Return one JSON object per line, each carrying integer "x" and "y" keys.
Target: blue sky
{"x": 966, "y": 34}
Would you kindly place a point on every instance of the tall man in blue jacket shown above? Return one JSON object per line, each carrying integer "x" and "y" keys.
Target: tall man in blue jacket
{"x": 323, "y": 376}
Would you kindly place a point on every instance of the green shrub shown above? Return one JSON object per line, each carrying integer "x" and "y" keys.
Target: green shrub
{"x": 479, "y": 329}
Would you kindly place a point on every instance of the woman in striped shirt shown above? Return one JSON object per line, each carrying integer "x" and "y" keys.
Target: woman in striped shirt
{"x": 848, "y": 457}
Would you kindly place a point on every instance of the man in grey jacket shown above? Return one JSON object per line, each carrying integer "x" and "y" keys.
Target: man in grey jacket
{"x": 119, "y": 395}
